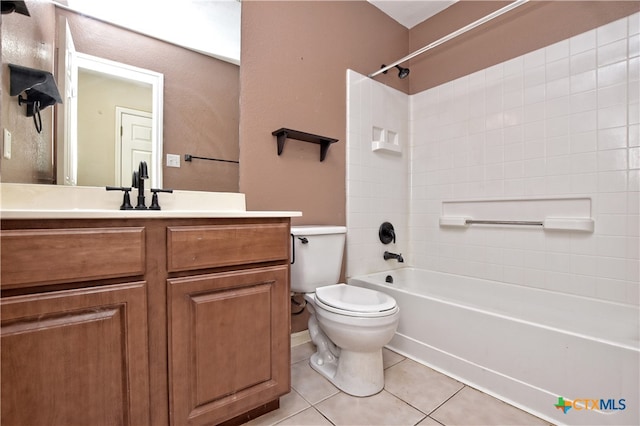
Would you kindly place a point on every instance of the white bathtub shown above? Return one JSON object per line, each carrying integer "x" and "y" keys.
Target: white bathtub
{"x": 523, "y": 345}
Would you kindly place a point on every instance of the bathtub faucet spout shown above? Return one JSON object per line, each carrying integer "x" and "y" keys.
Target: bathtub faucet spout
{"x": 388, "y": 255}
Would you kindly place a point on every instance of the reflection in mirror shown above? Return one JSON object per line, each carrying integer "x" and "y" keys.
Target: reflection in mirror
{"x": 199, "y": 106}
{"x": 95, "y": 152}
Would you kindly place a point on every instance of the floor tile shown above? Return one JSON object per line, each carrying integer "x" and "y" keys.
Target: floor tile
{"x": 310, "y": 417}
{"x": 380, "y": 409}
{"x": 420, "y": 386}
{"x": 290, "y": 404}
{"x": 301, "y": 352}
{"x": 428, "y": 421}
{"x": 309, "y": 384}
{"x": 472, "y": 407}
{"x": 390, "y": 358}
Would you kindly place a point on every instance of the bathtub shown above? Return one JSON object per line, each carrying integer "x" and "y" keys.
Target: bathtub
{"x": 525, "y": 346}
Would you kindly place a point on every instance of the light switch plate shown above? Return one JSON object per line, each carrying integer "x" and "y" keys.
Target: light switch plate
{"x": 6, "y": 146}
{"x": 173, "y": 160}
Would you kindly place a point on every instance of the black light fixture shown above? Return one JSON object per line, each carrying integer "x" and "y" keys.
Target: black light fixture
{"x": 39, "y": 88}
{"x": 10, "y": 6}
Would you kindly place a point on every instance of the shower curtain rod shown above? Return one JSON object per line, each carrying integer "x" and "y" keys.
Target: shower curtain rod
{"x": 454, "y": 34}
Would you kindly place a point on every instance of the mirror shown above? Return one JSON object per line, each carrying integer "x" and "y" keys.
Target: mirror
{"x": 188, "y": 120}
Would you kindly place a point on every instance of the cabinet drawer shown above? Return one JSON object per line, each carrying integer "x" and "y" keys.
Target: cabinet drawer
{"x": 50, "y": 256}
{"x": 200, "y": 247}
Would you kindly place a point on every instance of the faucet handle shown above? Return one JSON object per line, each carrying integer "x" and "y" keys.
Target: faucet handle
{"x": 154, "y": 199}
{"x": 126, "y": 201}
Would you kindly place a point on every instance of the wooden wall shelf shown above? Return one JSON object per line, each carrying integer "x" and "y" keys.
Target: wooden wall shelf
{"x": 284, "y": 133}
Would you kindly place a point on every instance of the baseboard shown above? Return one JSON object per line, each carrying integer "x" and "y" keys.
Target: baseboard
{"x": 300, "y": 338}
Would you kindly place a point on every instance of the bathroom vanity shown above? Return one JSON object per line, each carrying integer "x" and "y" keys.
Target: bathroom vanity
{"x": 172, "y": 317}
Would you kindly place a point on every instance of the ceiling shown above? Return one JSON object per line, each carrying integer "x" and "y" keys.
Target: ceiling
{"x": 411, "y": 12}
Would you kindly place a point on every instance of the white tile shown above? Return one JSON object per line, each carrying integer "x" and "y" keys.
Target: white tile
{"x": 614, "y": 181}
{"x": 557, "y": 51}
{"x": 634, "y": 23}
{"x": 634, "y": 158}
{"x": 582, "y": 42}
{"x": 613, "y": 116}
{"x": 611, "y": 32}
{"x": 612, "y": 74}
{"x": 612, "y": 138}
{"x": 615, "y": 159}
{"x": 583, "y": 61}
{"x": 586, "y": 81}
{"x": 613, "y": 52}
{"x": 612, "y": 95}
{"x": 583, "y": 101}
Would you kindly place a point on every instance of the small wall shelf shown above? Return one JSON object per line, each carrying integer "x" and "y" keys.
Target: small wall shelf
{"x": 324, "y": 142}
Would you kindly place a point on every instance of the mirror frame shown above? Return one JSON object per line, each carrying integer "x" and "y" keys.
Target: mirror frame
{"x": 129, "y": 72}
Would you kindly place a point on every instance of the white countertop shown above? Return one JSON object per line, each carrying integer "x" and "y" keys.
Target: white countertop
{"x": 25, "y": 201}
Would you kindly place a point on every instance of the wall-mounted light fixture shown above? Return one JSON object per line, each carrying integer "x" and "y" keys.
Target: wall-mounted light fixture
{"x": 39, "y": 88}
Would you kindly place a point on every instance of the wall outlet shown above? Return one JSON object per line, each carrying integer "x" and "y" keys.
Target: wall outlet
{"x": 173, "y": 160}
{"x": 6, "y": 146}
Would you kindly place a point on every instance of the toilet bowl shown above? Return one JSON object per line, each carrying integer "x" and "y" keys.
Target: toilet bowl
{"x": 349, "y": 325}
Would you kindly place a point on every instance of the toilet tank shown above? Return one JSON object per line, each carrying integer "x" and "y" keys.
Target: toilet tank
{"x": 316, "y": 253}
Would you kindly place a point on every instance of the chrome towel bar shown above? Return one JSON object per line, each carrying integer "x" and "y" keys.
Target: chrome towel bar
{"x": 502, "y": 222}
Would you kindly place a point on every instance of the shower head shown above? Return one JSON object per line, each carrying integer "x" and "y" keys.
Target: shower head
{"x": 403, "y": 72}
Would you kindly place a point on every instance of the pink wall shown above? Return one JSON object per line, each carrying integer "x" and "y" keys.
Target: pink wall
{"x": 294, "y": 60}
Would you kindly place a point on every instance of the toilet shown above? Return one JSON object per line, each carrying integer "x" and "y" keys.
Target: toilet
{"x": 349, "y": 325}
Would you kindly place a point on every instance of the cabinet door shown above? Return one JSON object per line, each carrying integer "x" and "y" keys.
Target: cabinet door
{"x": 76, "y": 357}
{"x": 229, "y": 343}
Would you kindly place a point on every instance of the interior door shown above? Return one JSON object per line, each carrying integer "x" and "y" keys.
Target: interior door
{"x": 133, "y": 143}
{"x": 67, "y": 113}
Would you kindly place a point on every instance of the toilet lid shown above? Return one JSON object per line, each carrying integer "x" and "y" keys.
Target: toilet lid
{"x": 355, "y": 299}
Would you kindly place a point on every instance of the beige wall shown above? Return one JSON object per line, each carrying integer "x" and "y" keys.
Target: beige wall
{"x": 98, "y": 97}
{"x": 294, "y": 59}
{"x": 27, "y": 41}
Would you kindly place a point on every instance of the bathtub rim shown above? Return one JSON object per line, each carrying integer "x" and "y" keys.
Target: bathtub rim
{"x": 628, "y": 343}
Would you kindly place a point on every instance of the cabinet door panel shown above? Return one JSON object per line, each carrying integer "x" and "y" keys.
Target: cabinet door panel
{"x": 229, "y": 343}
{"x": 75, "y": 357}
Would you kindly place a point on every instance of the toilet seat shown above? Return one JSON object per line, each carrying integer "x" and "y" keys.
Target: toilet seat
{"x": 355, "y": 301}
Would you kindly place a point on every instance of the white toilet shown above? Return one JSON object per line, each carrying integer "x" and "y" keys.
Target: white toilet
{"x": 349, "y": 325}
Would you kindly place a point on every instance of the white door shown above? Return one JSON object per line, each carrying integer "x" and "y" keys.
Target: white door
{"x": 67, "y": 113}
{"x": 133, "y": 144}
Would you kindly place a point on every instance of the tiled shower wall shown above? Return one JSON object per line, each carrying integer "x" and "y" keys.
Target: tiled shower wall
{"x": 562, "y": 121}
{"x": 377, "y": 181}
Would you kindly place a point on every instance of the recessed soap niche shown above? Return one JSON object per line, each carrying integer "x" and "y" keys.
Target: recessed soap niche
{"x": 385, "y": 140}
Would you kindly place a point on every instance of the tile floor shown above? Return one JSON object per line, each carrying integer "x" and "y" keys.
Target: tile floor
{"x": 413, "y": 395}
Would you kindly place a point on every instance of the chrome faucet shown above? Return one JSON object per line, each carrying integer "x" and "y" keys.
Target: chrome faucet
{"x": 388, "y": 255}
{"x": 138, "y": 182}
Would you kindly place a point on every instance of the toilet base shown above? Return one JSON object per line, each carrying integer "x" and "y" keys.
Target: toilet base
{"x": 356, "y": 373}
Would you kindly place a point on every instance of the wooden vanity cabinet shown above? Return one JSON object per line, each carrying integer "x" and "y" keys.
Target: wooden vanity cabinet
{"x": 229, "y": 311}
{"x": 143, "y": 321}
{"x": 73, "y": 352}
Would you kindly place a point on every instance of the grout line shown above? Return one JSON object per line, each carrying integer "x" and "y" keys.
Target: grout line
{"x": 446, "y": 400}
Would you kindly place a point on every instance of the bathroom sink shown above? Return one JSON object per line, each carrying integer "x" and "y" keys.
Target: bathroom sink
{"x": 30, "y": 201}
